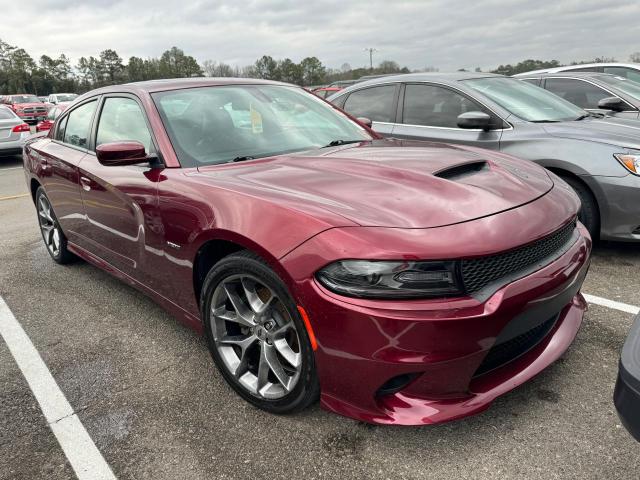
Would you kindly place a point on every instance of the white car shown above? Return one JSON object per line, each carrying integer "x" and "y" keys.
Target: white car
{"x": 13, "y": 132}
{"x": 627, "y": 70}
{"x": 56, "y": 98}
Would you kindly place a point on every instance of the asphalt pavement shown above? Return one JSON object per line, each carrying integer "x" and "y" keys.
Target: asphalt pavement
{"x": 145, "y": 389}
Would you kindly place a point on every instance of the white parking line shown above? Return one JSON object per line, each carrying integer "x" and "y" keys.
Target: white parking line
{"x": 605, "y": 302}
{"x": 82, "y": 453}
{"x": 11, "y": 168}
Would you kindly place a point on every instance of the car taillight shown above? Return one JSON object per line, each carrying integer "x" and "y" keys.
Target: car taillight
{"x": 21, "y": 128}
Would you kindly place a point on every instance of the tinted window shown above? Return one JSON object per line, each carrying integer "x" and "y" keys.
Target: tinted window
{"x": 78, "y": 122}
{"x": 214, "y": 125}
{"x": 629, "y": 73}
{"x": 532, "y": 81}
{"x": 375, "y": 103}
{"x": 25, "y": 99}
{"x": 434, "y": 106}
{"x": 122, "y": 119}
{"x": 60, "y": 130}
{"x": 584, "y": 69}
{"x": 578, "y": 92}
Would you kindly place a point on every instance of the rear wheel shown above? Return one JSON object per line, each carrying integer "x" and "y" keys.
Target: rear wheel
{"x": 52, "y": 234}
{"x": 256, "y": 336}
{"x": 589, "y": 214}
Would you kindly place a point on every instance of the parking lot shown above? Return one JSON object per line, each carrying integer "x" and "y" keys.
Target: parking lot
{"x": 147, "y": 392}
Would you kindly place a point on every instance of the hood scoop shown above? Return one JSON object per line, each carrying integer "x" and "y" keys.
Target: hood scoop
{"x": 460, "y": 171}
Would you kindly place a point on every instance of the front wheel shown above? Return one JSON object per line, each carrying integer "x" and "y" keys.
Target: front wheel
{"x": 256, "y": 336}
{"x": 589, "y": 214}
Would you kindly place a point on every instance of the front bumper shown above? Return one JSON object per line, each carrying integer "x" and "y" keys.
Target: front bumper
{"x": 619, "y": 207}
{"x": 439, "y": 345}
{"x": 627, "y": 392}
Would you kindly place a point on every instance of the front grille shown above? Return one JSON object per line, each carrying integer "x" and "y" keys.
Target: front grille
{"x": 477, "y": 273}
{"x": 508, "y": 351}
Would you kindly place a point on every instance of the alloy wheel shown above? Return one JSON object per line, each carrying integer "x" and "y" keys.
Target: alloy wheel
{"x": 255, "y": 337}
{"x": 49, "y": 226}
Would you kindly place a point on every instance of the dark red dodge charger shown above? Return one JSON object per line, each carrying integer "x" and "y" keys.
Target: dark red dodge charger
{"x": 399, "y": 282}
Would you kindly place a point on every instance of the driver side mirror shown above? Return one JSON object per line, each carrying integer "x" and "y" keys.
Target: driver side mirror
{"x": 474, "y": 120}
{"x": 614, "y": 104}
{"x": 121, "y": 153}
{"x": 365, "y": 121}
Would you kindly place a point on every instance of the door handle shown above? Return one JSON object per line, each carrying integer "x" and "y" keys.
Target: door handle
{"x": 86, "y": 183}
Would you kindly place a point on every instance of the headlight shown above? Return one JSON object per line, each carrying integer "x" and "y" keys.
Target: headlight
{"x": 630, "y": 161}
{"x": 392, "y": 279}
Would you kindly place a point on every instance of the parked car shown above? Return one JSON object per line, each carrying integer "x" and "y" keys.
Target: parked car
{"x": 13, "y": 132}
{"x": 597, "y": 92}
{"x": 324, "y": 92}
{"x": 56, "y": 98}
{"x": 54, "y": 112}
{"x": 28, "y": 107}
{"x": 599, "y": 158}
{"x": 627, "y": 70}
{"x": 402, "y": 282}
{"x": 627, "y": 392}
{"x": 343, "y": 83}
{"x": 43, "y": 99}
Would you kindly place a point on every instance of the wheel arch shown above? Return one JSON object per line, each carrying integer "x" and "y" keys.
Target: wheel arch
{"x": 213, "y": 246}
{"x": 33, "y": 187}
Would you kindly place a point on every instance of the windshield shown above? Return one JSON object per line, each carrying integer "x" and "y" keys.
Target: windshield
{"x": 211, "y": 125}
{"x": 25, "y": 99}
{"x": 525, "y": 100}
{"x": 66, "y": 97}
{"x": 623, "y": 84}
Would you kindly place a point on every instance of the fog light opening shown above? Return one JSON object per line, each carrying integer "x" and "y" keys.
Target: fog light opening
{"x": 395, "y": 384}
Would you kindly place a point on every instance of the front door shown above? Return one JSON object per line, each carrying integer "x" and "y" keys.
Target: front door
{"x": 120, "y": 202}
{"x": 430, "y": 112}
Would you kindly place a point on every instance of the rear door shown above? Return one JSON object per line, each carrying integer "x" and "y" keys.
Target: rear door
{"x": 59, "y": 159}
{"x": 378, "y": 103}
{"x": 430, "y": 111}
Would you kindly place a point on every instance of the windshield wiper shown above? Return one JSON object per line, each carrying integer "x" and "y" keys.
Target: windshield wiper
{"x": 582, "y": 117}
{"x": 242, "y": 158}
{"x": 335, "y": 143}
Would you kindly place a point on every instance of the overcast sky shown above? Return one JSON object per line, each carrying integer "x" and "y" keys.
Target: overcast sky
{"x": 445, "y": 34}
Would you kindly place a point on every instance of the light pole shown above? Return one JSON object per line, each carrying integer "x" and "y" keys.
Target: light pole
{"x": 370, "y": 50}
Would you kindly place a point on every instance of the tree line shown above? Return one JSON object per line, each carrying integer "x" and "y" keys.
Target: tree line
{"x": 20, "y": 73}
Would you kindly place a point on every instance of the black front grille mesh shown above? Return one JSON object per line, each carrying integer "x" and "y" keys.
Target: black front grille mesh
{"x": 477, "y": 273}
{"x": 508, "y": 351}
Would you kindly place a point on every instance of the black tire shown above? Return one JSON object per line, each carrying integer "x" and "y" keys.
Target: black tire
{"x": 589, "y": 214}
{"x": 307, "y": 389}
{"x": 60, "y": 255}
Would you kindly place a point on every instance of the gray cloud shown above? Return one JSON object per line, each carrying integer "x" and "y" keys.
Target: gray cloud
{"x": 446, "y": 34}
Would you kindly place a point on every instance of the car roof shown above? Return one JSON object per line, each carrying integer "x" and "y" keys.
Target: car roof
{"x": 635, "y": 66}
{"x": 568, "y": 74}
{"x": 439, "y": 77}
{"x": 151, "y": 86}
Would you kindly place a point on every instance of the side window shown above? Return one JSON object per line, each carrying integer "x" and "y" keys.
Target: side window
{"x": 578, "y": 92}
{"x": 532, "y": 81}
{"x": 78, "y": 122}
{"x": 584, "y": 69}
{"x": 375, "y": 103}
{"x": 60, "y": 131}
{"x": 629, "y": 73}
{"x": 122, "y": 119}
{"x": 434, "y": 106}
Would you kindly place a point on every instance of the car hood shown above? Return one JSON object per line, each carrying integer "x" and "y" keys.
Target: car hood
{"x": 620, "y": 132}
{"x": 29, "y": 105}
{"x": 390, "y": 183}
